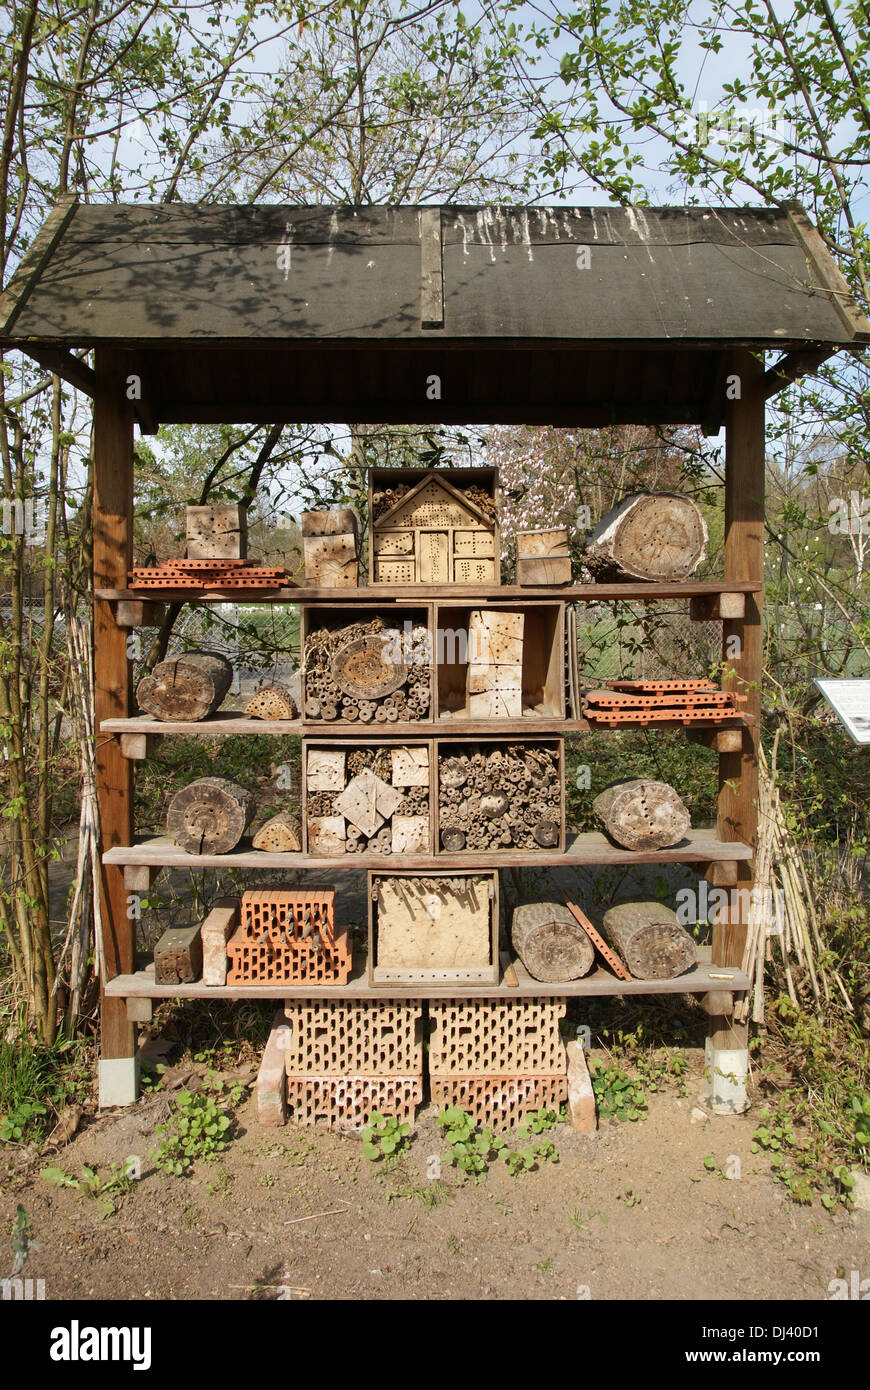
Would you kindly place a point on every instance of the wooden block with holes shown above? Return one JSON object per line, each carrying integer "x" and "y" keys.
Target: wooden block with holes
{"x": 218, "y": 532}
{"x": 331, "y": 562}
{"x": 543, "y": 557}
{"x": 433, "y": 929}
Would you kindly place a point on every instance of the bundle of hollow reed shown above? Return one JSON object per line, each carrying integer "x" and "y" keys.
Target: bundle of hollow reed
{"x": 85, "y": 906}
{"x": 783, "y": 925}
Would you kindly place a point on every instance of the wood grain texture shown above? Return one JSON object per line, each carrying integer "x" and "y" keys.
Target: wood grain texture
{"x": 737, "y": 817}
{"x": 112, "y": 557}
{"x": 587, "y": 847}
{"x": 600, "y": 983}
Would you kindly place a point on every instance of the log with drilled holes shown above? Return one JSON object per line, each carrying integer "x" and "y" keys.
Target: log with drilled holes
{"x": 649, "y": 535}
{"x": 189, "y": 686}
{"x": 650, "y": 940}
{"x": 280, "y": 835}
{"x": 210, "y": 816}
{"x": 178, "y": 956}
{"x": 640, "y": 814}
{"x": 272, "y": 702}
{"x": 367, "y": 671}
{"x": 550, "y": 943}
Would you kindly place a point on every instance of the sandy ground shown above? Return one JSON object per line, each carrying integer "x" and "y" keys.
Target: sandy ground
{"x": 627, "y": 1213}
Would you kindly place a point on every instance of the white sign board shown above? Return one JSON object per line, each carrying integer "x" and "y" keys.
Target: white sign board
{"x": 850, "y": 701}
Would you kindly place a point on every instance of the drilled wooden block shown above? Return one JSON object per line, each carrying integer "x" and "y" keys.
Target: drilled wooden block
{"x": 499, "y": 1101}
{"x": 410, "y": 767}
{"x": 264, "y": 963}
{"x": 325, "y": 770}
{"x": 289, "y": 915}
{"x": 347, "y": 1102}
{"x": 410, "y": 834}
{"x": 178, "y": 956}
{"x": 503, "y": 1037}
{"x": 360, "y": 1037}
{"x": 327, "y": 835}
{"x": 217, "y": 532}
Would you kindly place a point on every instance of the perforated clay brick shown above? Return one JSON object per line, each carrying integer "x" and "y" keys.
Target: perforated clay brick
{"x": 504, "y": 1037}
{"x": 347, "y": 1102}
{"x": 289, "y": 915}
{"x": 500, "y": 1101}
{"x": 335, "y": 1037}
{"x": 265, "y": 963}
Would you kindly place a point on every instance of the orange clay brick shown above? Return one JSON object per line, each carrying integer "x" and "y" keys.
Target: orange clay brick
{"x": 503, "y": 1037}
{"x": 360, "y": 1037}
{"x": 289, "y": 915}
{"x": 264, "y": 963}
{"x": 347, "y": 1102}
{"x": 500, "y": 1101}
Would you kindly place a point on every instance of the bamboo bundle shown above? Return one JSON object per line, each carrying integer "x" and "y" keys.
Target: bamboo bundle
{"x": 781, "y": 906}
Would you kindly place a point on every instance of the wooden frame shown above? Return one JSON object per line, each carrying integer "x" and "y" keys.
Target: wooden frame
{"x": 316, "y": 744}
{"x": 530, "y": 856}
{"x": 543, "y": 677}
{"x": 388, "y": 977}
{"x": 454, "y": 480}
{"x": 329, "y": 615}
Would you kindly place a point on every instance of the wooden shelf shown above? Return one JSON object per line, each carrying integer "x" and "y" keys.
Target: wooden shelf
{"x": 588, "y": 847}
{"x": 236, "y": 722}
{"x": 702, "y": 978}
{"x": 472, "y": 593}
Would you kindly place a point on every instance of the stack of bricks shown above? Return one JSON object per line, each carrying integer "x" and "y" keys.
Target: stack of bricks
{"x": 345, "y": 1059}
{"x": 666, "y": 701}
{"x": 289, "y": 936}
{"x": 497, "y": 1059}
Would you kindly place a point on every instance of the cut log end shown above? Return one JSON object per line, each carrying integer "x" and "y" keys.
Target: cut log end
{"x": 650, "y": 940}
{"x": 551, "y": 944}
{"x": 210, "y": 816}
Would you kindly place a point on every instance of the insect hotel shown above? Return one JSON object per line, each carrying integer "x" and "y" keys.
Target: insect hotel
{"x": 430, "y": 774}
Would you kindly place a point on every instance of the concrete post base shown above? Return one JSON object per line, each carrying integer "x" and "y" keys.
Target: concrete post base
{"x": 726, "y": 1070}
{"x": 119, "y": 1081}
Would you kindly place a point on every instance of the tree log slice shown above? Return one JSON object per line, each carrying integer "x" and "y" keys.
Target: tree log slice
{"x": 650, "y": 940}
{"x": 369, "y": 667}
{"x": 210, "y": 816}
{"x": 550, "y": 943}
{"x": 272, "y": 702}
{"x": 185, "y": 687}
{"x": 649, "y": 535}
{"x": 280, "y": 835}
{"x": 639, "y": 814}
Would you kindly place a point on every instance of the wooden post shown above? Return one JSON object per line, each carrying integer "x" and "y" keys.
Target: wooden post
{"x": 113, "y": 538}
{"x": 727, "y": 1043}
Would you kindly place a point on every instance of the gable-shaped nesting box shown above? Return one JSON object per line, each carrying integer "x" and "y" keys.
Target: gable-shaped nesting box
{"x": 431, "y": 527}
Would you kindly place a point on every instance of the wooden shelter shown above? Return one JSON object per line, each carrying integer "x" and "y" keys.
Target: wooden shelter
{"x": 579, "y": 317}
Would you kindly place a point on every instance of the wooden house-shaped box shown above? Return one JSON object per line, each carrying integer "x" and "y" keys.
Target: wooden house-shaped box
{"x": 434, "y": 526}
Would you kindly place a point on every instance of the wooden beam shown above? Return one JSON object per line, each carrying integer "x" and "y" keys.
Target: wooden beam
{"x": 742, "y": 652}
{"x": 827, "y": 273}
{"x": 792, "y": 366}
{"x": 31, "y": 266}
{"x": 113, "y": 542}
{"x": 432, "y": 275}
{"x": 705, "y": 608}
{"x": 64, "y": 364}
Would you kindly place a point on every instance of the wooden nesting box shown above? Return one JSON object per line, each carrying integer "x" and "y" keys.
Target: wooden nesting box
{"x": 367, "y": 664}
{"x": 543, "y": 557}
{"x": 435, "y": 527}
{"x": 430, "y": 929}
{"x": 374, "y": 798}
{"x": 330, "y": 548}
{"x": 500, "y": 795}
{"x": 217, "y": 532}
{"x": 505, "y": 663}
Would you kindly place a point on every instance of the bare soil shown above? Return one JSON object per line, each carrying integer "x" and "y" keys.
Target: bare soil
{"x": 627, "y": 1213}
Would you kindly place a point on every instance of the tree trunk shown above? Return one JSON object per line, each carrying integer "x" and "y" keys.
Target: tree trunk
{"x": 638, "y": 814}
{"x": 550, "y": 943}
{"x": 650, "y": 940}
{"x": 186, "y": 687}
{"x": 210, "y": 816}
{"x": 649, "y": 535}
